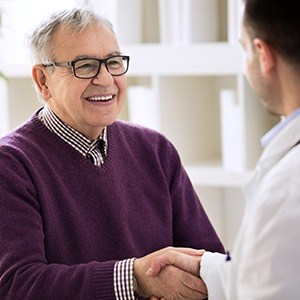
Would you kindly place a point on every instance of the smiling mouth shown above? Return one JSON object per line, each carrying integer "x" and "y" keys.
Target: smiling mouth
{"x": 101, "y": 98}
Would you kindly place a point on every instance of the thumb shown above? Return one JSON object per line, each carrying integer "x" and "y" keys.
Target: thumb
{"x": 185, "y": 262}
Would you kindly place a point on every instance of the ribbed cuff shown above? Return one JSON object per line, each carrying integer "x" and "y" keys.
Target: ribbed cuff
{"x": 103, "y": 280}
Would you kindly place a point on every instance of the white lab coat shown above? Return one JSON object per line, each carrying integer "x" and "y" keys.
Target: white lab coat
{"x": 266, "y": 257}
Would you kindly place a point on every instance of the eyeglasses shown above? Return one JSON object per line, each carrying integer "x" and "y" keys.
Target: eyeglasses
{"x": 86, "y": 68}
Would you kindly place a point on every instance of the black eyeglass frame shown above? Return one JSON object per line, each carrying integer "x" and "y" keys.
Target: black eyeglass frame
{"x": 101, "y": 61}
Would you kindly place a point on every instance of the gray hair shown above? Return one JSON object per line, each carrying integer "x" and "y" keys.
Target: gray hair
{"x": 77, "y": 20}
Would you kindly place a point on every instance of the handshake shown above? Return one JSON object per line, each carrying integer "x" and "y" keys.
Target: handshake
{"x": 170, "y": 273}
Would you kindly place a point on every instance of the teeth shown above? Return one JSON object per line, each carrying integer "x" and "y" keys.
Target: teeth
{"x": 101, "y": 98}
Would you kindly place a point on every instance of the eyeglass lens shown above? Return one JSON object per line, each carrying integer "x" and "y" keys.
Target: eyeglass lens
{"x": 88, "y": 68}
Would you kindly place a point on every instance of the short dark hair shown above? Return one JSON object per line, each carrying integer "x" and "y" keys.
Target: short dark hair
{"x": 278, "y": 23}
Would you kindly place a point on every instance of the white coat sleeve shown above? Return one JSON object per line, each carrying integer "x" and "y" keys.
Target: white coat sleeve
{"x": 209, "y": 272}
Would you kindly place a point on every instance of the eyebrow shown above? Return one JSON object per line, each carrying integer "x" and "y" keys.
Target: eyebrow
{"x": 89, "y": 56}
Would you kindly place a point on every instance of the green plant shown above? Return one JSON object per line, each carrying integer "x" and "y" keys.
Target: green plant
{"x": 2, "y": 75}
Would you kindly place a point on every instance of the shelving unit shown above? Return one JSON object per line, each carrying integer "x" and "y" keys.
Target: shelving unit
{"x": 187, "y": 79}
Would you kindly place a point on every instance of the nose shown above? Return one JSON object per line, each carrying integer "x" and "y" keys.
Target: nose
{"x": 103, "y": 78}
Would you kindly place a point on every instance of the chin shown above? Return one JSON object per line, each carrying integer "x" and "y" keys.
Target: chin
{"x": 108, "y": 121}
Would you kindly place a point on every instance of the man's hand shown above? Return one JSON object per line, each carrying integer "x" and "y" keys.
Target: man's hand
{"x": 159, "y": 274}
{"x": 186, "y": 259}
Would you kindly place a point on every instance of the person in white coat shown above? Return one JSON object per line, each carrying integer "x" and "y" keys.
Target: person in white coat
{"x": 265, "y": 261}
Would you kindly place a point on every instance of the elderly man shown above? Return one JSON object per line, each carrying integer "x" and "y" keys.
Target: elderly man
{"x": 83, "y": 195}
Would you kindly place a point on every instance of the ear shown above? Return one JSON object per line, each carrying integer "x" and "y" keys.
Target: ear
{"x": 40, "y": 77}
{"x": 265, "y": 54}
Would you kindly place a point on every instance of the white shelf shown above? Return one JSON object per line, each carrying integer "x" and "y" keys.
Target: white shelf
{"x": 213, "y": 59}
{"x": 16, "y": 70}
{"x": 195, "y": 59}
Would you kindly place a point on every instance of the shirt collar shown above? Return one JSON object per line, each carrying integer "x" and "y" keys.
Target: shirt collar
{"x": 70, "y": 135}
{"x": 267, "y": 138}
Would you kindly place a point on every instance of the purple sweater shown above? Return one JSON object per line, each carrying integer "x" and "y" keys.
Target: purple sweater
{"x": 64, "y": 222}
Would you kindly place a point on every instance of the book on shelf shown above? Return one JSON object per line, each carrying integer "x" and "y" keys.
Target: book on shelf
{"x": 232, "y": 138}
{"x": 143, "y": 107}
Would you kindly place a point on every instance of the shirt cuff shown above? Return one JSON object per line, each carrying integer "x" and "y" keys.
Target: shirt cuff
{"x": 123, "y": 279}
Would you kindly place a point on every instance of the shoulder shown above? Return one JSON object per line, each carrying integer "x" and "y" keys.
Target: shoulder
{"x": 278, "y": 193}
{"x": 136, "y": 133}
{"x": 143, "y": 142}
{"x": 23, "y": 138}
{"x": 287, "y": 171}
{"x": 128, "y": 127}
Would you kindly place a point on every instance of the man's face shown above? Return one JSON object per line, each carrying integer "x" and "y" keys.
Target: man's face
{"x": 252, "y": 66}
{"x": 88, "y": 105}
{"x": 260, "y": 81}
{"x": 251, "y": 63}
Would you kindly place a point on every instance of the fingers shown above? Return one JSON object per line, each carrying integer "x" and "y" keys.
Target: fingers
{"x": 174, "y": 280}
{"x": 182, "y": 285}
{"x": 195, "y": 285}
{"x": 187, "y": 262}
{"x": 185, "y": 250}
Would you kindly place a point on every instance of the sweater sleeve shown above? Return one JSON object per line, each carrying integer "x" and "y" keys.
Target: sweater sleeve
{"x": 25, "y": 271}
{"x": 192, "y": 227}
